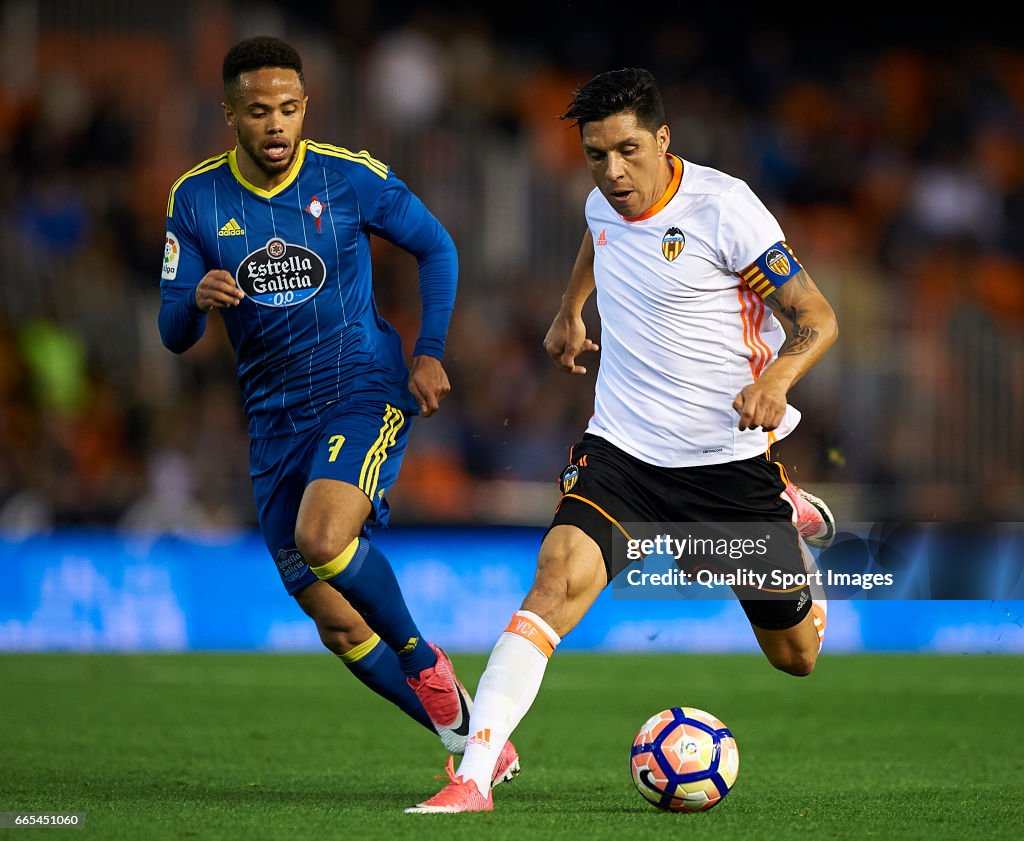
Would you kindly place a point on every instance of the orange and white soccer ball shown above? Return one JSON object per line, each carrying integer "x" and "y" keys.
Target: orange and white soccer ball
{"x": 684, "y": 760}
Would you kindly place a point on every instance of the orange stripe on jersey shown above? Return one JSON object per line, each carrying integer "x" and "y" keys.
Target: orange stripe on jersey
{"x": 523, "y": 627}
{"x": 756, "y": 308}
{"x": 766, "y": 352}
{"x": 667, "y": 196}
{"x": 752, "y": 313}
{"x": 746, "y": 330}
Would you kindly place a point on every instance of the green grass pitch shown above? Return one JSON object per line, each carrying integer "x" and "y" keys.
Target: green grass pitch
{"x": 291, "y": 747}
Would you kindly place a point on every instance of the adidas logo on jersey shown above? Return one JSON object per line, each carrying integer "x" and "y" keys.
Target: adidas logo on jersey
{"x": 601, "y": 238}
{"x": 231, "y": 229}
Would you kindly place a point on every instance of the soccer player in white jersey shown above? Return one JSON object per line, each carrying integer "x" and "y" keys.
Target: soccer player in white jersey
{"x": 708, "y": 319}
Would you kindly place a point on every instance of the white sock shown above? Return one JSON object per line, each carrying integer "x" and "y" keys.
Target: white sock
{"x": 506, "y": 692}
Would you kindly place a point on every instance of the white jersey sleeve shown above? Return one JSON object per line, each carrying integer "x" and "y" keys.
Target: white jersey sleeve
{"x": 746, "y": 228}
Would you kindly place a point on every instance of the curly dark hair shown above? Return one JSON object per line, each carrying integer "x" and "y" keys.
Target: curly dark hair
{"x": 257, "y": 53}
{"x": 632, "y": 90}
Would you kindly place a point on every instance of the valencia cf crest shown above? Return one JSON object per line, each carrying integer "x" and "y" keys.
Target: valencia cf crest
{"x": 569, "y": 477}
{"x": 777, "y": 262}
{"x": 315, "y": 208}
{"x": 672, "y": 243}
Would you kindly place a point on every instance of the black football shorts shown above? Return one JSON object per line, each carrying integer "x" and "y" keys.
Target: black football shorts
{"x": 603, "y": 487}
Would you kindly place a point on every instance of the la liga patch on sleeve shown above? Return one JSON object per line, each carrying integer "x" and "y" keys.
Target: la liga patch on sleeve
{"x": 773, "y": 268}
{"x": 172, "y": 251}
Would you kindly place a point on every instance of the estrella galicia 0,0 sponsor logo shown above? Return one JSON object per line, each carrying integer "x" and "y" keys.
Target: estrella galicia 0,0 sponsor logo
{"x": 281, "y": 274}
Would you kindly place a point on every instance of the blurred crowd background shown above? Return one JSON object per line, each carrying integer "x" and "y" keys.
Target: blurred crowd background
{"x": 894, "y": 162}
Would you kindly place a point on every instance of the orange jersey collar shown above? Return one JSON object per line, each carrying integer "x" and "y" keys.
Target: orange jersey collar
{"x": 667, "y": 196}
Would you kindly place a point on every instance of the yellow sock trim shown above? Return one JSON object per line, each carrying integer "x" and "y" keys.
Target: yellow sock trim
{"x": 360, "y": 651}
{"x": 332, "y": 568}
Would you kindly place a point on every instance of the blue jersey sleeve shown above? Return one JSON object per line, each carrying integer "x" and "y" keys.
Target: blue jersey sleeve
{"x": 400, "y": 217}
{"x": 181, "y": 322}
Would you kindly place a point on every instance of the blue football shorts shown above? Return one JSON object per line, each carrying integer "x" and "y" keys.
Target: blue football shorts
{"x": 362, "y": 445}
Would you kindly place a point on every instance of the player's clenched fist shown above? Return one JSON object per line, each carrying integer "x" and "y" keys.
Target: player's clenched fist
{"x": 217, "y": 289}
{"x": 761, "y": 404}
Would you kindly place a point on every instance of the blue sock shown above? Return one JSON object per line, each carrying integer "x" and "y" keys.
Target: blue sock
{"x": 376, "y": 665}
{"x": 364, "y": 576}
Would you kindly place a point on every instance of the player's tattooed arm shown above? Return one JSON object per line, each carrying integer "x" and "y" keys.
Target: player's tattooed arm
{"x": 811, "y": 329}
{"x": 800, "y": 336}
{"x": 805, "y": 315}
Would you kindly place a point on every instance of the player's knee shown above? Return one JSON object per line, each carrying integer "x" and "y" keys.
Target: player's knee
{"x": 794, "y": 661}
{"x": 321, "y": 546}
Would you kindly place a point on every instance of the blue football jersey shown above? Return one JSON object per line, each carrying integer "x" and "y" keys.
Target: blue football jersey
{"x": 307, "y": 334}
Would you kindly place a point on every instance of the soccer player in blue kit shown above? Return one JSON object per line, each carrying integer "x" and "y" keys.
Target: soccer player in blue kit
{"x": 275, "y": 234}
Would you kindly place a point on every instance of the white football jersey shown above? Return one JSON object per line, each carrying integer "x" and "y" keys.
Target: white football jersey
{"x": 682, "y": 328}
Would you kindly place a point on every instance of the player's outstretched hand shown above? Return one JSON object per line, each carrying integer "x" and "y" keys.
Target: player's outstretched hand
{"x": 761, "y": 404}
{"x": 567, "y": 339}
{"x": 428, "y": 383}
{"x": 218, "y": 289}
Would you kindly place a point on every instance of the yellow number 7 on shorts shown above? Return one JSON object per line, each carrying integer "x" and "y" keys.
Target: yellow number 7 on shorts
{"x": 335, "y": 445}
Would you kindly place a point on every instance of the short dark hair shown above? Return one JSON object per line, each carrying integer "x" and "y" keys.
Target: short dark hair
{"x": 631, "y": 89}
{"x": 257, "y": 53}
